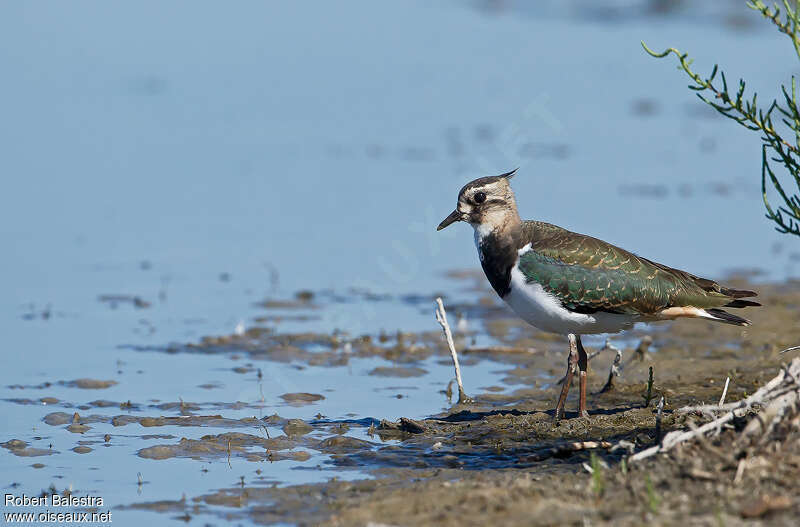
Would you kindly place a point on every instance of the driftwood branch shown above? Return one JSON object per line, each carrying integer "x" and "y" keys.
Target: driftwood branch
{"x": 775, "y": 398}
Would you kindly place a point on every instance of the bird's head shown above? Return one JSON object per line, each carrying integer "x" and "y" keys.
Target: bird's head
{"x": 487, "y": 202}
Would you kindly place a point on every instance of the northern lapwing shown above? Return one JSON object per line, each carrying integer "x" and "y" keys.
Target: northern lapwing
{"x": 572, "y": 284}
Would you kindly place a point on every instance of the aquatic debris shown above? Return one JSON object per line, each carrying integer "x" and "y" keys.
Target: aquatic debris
{"x": 89, "y": 384}
{"x": 57, "y": 418}
{"x": 301, "y": 398}
{"x": 338, "y": 444}
{"x": 115, "y": 300}
{"x": 302, "y": 300}
{"x": 45, "y": 314}
{"x": 78, "y": 428}
{"x": 406, "y": 425}
{"x": 398, "y": 371}
{"x": 225, "y": 446}
{"x": 295, "y": 427}
{"x": 20, "y": 448}
{"x": 61, "y": 418}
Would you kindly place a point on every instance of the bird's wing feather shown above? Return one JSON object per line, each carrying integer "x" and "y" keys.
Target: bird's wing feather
{"x": 589, "y": 275}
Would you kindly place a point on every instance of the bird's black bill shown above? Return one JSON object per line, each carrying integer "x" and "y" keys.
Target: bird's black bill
{"x": 452, "y": 218}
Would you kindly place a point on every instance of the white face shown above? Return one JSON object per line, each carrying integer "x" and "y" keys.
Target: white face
{"x": 487, "y": 204}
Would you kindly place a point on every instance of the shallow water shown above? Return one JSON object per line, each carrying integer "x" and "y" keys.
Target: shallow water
{"x": 241, "y": 155}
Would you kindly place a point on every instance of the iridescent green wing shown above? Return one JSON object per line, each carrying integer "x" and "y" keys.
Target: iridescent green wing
{"x": 589, "y": 275}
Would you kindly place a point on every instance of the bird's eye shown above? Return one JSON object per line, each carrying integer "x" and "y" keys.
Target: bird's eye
{"x": 479, "y": 197}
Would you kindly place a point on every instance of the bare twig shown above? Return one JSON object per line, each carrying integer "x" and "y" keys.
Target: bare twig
{"x": 441, "y": 318}
{"x": 724, "y": 392}
{"x": 659, "y": 415}
{"x": 757, "y": 398}
{"x": 606, "y": 346}
{"x": 725, "y": 458}
{"x": 763, "y": 424}
{"x": 679, "y": 436}
{"x": 613, "y": 371}
{"x": 778, "y": 395}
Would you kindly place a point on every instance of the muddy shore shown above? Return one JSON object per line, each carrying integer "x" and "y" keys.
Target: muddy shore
{"x": 500, "y": 459}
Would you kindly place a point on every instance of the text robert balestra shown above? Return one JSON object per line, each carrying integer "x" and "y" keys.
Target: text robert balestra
{"x": 52, "y": 500}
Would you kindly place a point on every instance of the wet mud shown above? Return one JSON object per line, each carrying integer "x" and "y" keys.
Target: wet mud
{"x": 500, "y": 459}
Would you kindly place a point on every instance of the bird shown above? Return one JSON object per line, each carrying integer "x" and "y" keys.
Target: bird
{"x": 572, "y": 284}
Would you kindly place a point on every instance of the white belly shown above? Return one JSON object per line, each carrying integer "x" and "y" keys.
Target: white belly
{"x": 541, "y": 309}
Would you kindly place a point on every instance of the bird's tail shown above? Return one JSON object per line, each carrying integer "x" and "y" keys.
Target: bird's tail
{"x": 738, "y": 295}
{"x": 727, "y": 318}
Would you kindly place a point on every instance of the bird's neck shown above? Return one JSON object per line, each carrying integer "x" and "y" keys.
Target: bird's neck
{"x": 504, "y": 226}
{"x": 498, "y": 239}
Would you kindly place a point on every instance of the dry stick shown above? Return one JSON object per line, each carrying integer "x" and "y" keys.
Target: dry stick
{"x": 771, "y": 415}
{"x": 679, "y": 436}
{"x": 606, "y": 346}
{"x": 613, "y": 371}
{"x": 441, "y": 318}
{"x": 773, "y": 392}
{"x": 725, "y": 458}
{"x": 724, "y": 392}
{"x": 659, "y": 414}
{"x": 745, "y": 403}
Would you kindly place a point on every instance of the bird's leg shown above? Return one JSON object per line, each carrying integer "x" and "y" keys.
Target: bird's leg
{"x": 583, "y": 367}
{"x": 572, "y": 366}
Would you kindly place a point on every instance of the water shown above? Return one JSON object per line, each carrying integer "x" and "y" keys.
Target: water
{"x": 204, "y": 159}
